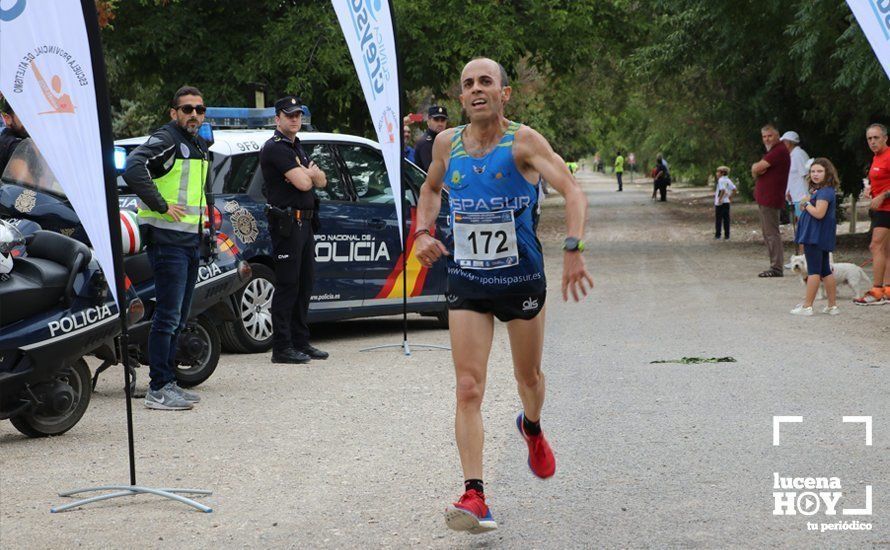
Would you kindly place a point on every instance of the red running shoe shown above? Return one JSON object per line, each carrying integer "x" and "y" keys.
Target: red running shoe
{"x": 540, "y": 455}
{"x": 470, "y": 514}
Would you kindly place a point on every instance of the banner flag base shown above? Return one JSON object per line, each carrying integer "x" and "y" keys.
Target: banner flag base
{"x": 130, "y": 490}
{"x": 407, "y": 349}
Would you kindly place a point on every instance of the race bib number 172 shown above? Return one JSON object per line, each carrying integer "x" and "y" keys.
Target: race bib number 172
{"x": 484, "y": 240}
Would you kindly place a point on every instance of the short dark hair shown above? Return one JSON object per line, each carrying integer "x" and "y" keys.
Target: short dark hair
{"x": 185, "y": 90}
{"x": 5, "y": 107}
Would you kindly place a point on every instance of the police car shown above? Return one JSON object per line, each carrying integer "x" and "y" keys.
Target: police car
{"x": 358, "y": 270}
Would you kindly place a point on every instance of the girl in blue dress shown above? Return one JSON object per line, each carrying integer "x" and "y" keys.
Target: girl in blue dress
{"x": 816, "y": 232}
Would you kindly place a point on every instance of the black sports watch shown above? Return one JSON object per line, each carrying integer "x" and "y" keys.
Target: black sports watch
{"x": 571, "y": 244}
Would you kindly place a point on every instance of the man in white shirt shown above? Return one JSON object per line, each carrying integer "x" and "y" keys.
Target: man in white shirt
{"x": 797, "y": 187}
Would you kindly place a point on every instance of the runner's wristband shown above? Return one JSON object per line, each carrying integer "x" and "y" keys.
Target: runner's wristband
{"x": 420, "y": 232}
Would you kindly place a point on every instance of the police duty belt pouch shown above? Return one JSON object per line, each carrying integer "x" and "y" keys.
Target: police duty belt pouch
{"x": 282, "y": 219}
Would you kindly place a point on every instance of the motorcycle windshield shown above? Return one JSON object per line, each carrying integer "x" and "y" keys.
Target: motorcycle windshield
{"x": 28, "y": 168}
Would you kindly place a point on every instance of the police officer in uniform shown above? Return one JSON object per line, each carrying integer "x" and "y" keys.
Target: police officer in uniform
{"x": 169, "y": 174}
{"x": 12, "y": 134}
{"x": 290, "y": 182}
{"x": 437, "y": 120}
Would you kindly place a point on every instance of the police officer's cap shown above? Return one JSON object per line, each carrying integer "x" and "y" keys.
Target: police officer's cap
{"x": 437, "y": 111}
{"x": 288, "y": 104}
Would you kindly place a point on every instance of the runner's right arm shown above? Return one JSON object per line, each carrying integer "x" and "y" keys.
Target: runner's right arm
{"x": 427, "y": 248}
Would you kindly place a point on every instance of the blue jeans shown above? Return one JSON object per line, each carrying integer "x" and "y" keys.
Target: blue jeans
{"x": 175, "y": 272}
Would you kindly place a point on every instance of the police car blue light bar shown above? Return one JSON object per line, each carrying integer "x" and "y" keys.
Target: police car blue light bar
{"x": 245, "y": 117}
{"x": 240, "y": 117}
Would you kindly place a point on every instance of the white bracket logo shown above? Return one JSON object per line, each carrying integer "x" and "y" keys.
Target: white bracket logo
{"x": 807, "y": 503}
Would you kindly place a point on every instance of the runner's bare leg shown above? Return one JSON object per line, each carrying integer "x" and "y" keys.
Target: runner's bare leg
{"x": 471, "y": 335}
{"x": 527, "y": 347}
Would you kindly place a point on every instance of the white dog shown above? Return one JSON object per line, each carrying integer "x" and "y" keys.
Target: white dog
{"x": 845, "y": 273}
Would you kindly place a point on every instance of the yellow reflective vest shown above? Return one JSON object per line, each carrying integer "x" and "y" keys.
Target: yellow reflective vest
{"x": 182, "y": 185}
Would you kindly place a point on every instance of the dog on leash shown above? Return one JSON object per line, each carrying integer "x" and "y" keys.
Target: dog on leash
{"x": 844, "y": 273}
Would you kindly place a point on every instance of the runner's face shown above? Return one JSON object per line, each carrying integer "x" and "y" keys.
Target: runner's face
{"x": 482, "y": 95}
{"x": 877, "y": 141}
{"x": 817, "y": 173}
{"x": 188, "y": 122}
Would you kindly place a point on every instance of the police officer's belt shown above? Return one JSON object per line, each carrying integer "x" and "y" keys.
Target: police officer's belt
{"x": 289, "y": 213}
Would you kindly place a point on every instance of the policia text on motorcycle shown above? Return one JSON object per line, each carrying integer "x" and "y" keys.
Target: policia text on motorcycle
{"x": 169, "y": 174}
{"x": 290, "y": 182}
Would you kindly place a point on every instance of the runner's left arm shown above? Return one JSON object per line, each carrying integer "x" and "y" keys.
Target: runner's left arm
{"x": 535, "y": 156}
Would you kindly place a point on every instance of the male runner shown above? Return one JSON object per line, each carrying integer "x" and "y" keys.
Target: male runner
{"x": 496, "y": 267}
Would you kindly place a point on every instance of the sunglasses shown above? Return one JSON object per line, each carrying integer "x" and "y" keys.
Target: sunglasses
{"x": 189, "y": 109}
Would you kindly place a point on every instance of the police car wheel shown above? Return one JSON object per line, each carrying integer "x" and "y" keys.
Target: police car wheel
{"x": 203, "y": 349}
{"x": 66, "y": 398}
{"x": 251, "y": 332}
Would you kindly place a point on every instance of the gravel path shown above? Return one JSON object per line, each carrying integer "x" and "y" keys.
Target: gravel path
{"x": 358, "y": 451}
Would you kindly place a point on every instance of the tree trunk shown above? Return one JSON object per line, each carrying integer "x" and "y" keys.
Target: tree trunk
{"x": 853, "y": 214}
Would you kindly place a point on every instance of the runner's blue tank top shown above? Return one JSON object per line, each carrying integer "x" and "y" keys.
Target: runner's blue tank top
{"x": 489, "y": 198}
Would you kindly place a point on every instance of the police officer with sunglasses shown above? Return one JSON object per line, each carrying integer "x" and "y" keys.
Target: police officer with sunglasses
{"x": 290, "y": 180}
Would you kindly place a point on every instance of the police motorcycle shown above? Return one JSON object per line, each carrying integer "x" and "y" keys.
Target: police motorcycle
{"x": 28, "y": 190}
{"x": 219, "y": 276}
{"x": 55, "y": 308}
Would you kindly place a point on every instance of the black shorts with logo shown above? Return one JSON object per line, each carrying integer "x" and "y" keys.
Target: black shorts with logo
{"x": 506, "y": 307}
{"x": 879, "y": 218}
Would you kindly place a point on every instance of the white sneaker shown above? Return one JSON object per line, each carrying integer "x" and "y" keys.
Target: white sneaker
{"x": 787, "y": 266}
{"x": 831, "y": 310}
{"x": 800, "y": 310}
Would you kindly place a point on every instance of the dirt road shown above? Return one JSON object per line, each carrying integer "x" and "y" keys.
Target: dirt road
{"x": 358, "y": 452}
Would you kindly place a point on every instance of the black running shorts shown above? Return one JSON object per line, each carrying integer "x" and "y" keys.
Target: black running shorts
{"x": 505, "y": 307}
{"x": 879, "y": 218}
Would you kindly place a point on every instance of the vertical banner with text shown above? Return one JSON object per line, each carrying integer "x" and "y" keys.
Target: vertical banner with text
{"x": 368, "y": 28}
{"x": 874, "y": 19}
{"x": 46, "y": 75}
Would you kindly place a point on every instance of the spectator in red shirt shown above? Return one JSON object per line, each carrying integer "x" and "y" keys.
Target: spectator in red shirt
{"x": 771, "y": 175}
{"x": 879, "y": 211}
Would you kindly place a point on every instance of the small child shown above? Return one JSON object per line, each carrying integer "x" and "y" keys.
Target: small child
{"x": 816, "y": 231}
{"x": 723, "y": 192}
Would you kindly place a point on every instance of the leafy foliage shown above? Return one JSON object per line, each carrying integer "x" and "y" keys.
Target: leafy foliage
{"x": 694, "y": 79}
